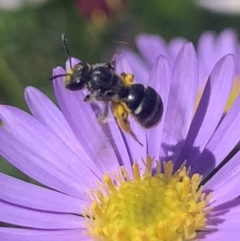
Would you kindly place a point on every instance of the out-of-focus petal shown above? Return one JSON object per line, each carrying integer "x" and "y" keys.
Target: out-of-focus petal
{"x": 138, "y": 67}
{"x": 221, "y": 6}
{"x": 174, "y": 47}
{"x": 151, "y": 46}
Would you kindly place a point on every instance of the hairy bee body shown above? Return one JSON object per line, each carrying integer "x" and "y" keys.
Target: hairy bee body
{"x": 144, "y": 104}
{"x": 126, "y": 97}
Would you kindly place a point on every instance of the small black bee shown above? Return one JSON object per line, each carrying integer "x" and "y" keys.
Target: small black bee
{"x": 126, "y": 97}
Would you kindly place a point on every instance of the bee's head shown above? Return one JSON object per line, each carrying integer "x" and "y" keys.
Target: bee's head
{"x": 76, "y": 78}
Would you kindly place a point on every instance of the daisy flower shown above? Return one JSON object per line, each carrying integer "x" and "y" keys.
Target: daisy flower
{"x": 100, "y": 184}
{"x": 210, "y": 48}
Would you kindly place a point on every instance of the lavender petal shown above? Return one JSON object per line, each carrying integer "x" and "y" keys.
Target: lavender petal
{"x": 151, "y": 46}
{"x": 51, "y": 117}
{"x": 17, "y": 234}
{"x": 25, "y": 194}
{"x": 39, "y": 168}
{"x": 139, "y": 68}
{"x": 210, "y": 109}
{"x": 136, "y": 151}
{"x": 222, "y": 142}
{"x": 85, "y": 125}
{"x": 46, "y": 145}
{"x": 25, "y": 217}
{"x": 181, "y": 102}
{"x": 160, "y": 78}
{"x": 225, "y": 182}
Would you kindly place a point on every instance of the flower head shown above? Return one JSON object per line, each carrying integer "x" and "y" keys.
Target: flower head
{"x": 102, "y": 185}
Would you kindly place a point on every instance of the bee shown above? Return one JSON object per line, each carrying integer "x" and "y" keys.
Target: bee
{"x": 103, "y": 84}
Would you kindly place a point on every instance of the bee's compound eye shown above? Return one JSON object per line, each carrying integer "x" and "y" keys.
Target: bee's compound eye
{"x": 123, "y": 74}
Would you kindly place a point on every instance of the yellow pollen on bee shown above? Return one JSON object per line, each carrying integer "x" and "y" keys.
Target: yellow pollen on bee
{"x": 68, "y": 77}
{"x": 148, "y": 205}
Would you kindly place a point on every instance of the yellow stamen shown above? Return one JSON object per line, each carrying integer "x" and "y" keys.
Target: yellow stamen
{"x": 107, "y": 179}
{"x": 165, "y": 206}
{"x": 136, "y": 172}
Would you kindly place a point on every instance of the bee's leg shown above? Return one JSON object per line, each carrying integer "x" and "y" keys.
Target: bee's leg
{"x": 121, "y": 115}
{"x": 92, "y": 96}
{"x": 104, "y": 114}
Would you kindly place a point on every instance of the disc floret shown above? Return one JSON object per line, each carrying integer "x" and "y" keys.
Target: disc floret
{"x": 167, "y": 205}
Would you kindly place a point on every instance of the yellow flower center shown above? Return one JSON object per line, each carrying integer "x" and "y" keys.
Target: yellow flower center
{"x": 164, "y": 206}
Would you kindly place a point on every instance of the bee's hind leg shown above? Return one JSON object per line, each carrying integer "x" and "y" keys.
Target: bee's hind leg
{"x": 121, "y": 116}
{"x": 103, "y": 116}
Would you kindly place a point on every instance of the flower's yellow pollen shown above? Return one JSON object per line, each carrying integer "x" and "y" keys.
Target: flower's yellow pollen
{"x": 148, "y": 166}
{"x": 164, "y": 206}
{"x": 125, "y": 173}
{"x": 168, "y": 169}
{"x": 96, "y": 209}
{"x": 107, "y": 179}
{"x": 136, "y": 172}
{"x": 186, "y": 185}
{"x": 100, "y": 196}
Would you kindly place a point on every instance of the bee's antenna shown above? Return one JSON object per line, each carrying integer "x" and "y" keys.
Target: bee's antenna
{"x": 64, "y": 41}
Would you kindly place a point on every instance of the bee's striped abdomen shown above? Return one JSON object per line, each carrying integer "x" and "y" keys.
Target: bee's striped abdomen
{"x": 145, "y": 105}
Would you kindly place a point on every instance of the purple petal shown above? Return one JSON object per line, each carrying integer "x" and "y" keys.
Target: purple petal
{"x": 174, "y": 47}
{"x": 51, "y": 117}
{"x": 84, "y": 124}
{"x": 220, "y": 235}
{"x": 15, "y": 191}
{"x": 151, "y": 46}
{"x": 222, "y": 142}
{"x": 45, "y": 144}
{"x": 16, "y": 215}
{"x": 71, "y": 63}
{"x": 19, "y": 234}
{"x": 139, "y": 68}
{"x": 225, "y": 182}
{"x": 117, "y": 140}
{"x": 181, "y": 102}
{"x": 210, "y": 109}
{"x": 160, "y": 78}
{"x": 226, "y": 43}
{"x": 206, "y": 55}
{"x": 136, "y": 152}
{"x": 39, "y": 168}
